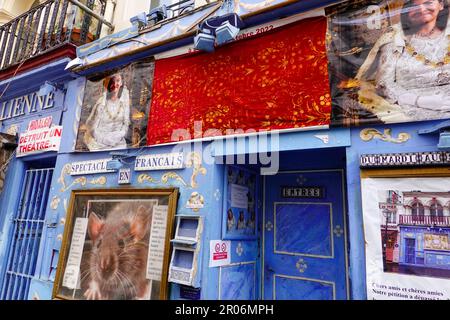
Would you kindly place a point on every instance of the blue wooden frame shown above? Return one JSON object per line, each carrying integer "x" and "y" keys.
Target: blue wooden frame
{"x": 226, "y": 235}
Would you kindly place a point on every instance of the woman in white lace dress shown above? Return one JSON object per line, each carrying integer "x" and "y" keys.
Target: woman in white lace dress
{"x": 413, "y": 73}
{"x": 109, "y": 120}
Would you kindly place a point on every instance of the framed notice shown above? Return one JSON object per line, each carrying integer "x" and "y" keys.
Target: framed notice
{"x": 407, "y": 230}
{"x": 240, "y": 204}
{"x": 116, "y": 245}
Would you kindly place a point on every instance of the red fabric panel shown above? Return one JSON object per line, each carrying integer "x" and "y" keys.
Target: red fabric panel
{"x": 277, "y": 80}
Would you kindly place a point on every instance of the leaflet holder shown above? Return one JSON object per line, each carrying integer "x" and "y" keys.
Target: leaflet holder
{"x": 183, "y": 267}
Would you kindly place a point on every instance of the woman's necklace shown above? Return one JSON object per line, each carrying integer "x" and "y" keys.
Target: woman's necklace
{"x": 422, "y": 58}
{"x": 113, "y": 116}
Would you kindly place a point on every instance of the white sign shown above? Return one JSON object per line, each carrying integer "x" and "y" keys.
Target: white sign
{"x": 163, "y": 161}
{"x": 409, "y": 269}
{"x": 239, "y": 197}
{"x": 40, "y": 140}
{"x": 219, "y": 253}
{"x": 157, "y": 241}
{"x": 125, "y": 176}
{"x": 72, "y": 272}
{"x": 89, "y": 167}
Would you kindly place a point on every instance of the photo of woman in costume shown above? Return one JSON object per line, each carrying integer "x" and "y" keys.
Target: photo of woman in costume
{"x": 231, "y": 221}
{"x": 109, "y": 120}
{"x": 406, "y": 74}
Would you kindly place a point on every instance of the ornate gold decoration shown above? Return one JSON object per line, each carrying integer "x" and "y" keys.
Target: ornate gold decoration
{"x": 269, "y": 226}
{"x": 338, "y": 231}
{"x": 101, "y": 180}
{"x": 301, "y": 265}
{"x": 370, "y": 133}
{"x": 422, "y": 58}
{"x": 55, "y": 203}
{"x": 196, "y": 201}
{"x": 194, "y": 160}
{"x": 173, "y": 175}
{"x": 65, "y": 171}
{"x": 145, "y": 177}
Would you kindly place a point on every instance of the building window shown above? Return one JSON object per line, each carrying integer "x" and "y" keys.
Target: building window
{"x": 417, "y": 211}
{"x": 436, "y": 210}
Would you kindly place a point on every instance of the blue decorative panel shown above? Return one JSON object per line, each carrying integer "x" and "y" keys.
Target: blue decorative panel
{"x": 301, "y": 288}
{"x": 303, "y": 228}
{"x": 238, "y": 282}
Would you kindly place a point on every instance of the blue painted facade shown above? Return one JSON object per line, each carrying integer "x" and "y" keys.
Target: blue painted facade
{"x": 244, "y": 277}
{"x": 420, "y": 255}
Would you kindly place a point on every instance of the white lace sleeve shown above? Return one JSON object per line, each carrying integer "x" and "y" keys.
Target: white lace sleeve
{"x": 386, "y": 76}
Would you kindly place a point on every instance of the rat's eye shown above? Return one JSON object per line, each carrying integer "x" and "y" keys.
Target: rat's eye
{"x": 121, "y": 243}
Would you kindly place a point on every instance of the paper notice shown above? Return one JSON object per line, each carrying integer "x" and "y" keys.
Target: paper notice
{"x": 156, "y": 244}
{"x": 71, "y": 274}
{"x": 239, "y": 197}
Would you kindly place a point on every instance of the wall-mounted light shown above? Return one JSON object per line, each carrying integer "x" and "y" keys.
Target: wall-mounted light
{"x": 47, "y": 88}
{"x": 220, "y": 30}
{"x": 139, "y": 20}
{"x": 157, "y": 14}
{"x": 204, "y": 41}
{"x": 229, "y": 29}
{"x": 443, "y": 129}
{"x": 118, "y": 159}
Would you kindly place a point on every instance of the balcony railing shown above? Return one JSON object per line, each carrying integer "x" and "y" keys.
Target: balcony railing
{"x": 46, "y": 27}
{"x": 425, "y": 220}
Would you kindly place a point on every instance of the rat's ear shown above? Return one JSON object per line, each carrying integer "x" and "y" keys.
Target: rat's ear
{"x": 141, "y": 223}
{"x": 95, "y": 226}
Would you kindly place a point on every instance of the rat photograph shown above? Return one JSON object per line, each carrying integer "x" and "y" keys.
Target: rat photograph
{"x": 114, "y": 262}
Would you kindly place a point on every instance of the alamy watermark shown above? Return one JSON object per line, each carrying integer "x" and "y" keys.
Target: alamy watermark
{"x": 234, "y": 146}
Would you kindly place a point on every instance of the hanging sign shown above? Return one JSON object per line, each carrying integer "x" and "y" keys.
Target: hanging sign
{"x": 405, "y": 159}
{"x": 39, "y": 137}
{"x": 163, "y": 161}
{"x": 89, "y": 167}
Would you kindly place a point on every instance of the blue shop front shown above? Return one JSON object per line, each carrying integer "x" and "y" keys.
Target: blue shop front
{"x": 32, "y": 112}
{"x": 329, "y": 191}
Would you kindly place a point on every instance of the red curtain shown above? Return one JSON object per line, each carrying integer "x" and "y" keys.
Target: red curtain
{"x": 277, "y": 80}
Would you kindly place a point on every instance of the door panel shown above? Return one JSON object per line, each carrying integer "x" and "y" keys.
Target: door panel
{"x": 304, "y": 238}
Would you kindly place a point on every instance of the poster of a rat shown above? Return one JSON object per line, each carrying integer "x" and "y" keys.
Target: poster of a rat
{"x": 116, "y": 245}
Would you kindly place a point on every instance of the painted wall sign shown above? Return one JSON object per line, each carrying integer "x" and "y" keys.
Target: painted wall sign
{"x": 27, "y": 104}
{"x": 302, "y": 192}
{"x": 163, "y": 161}
{"x": 405, "y": 159}
{"x": 89, "y": 167}
{"x": 219, "y": 253}
{"x": 124, "y": 176}
{"x": 40, "y": 137}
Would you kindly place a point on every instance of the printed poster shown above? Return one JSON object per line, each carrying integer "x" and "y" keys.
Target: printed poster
{"x": 388, "y": 61}
{"x": 114, "y": 112}
{"x": 407, "y": 230}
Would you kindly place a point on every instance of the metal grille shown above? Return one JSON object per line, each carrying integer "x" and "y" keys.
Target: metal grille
{"x": 28, "y": 223}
